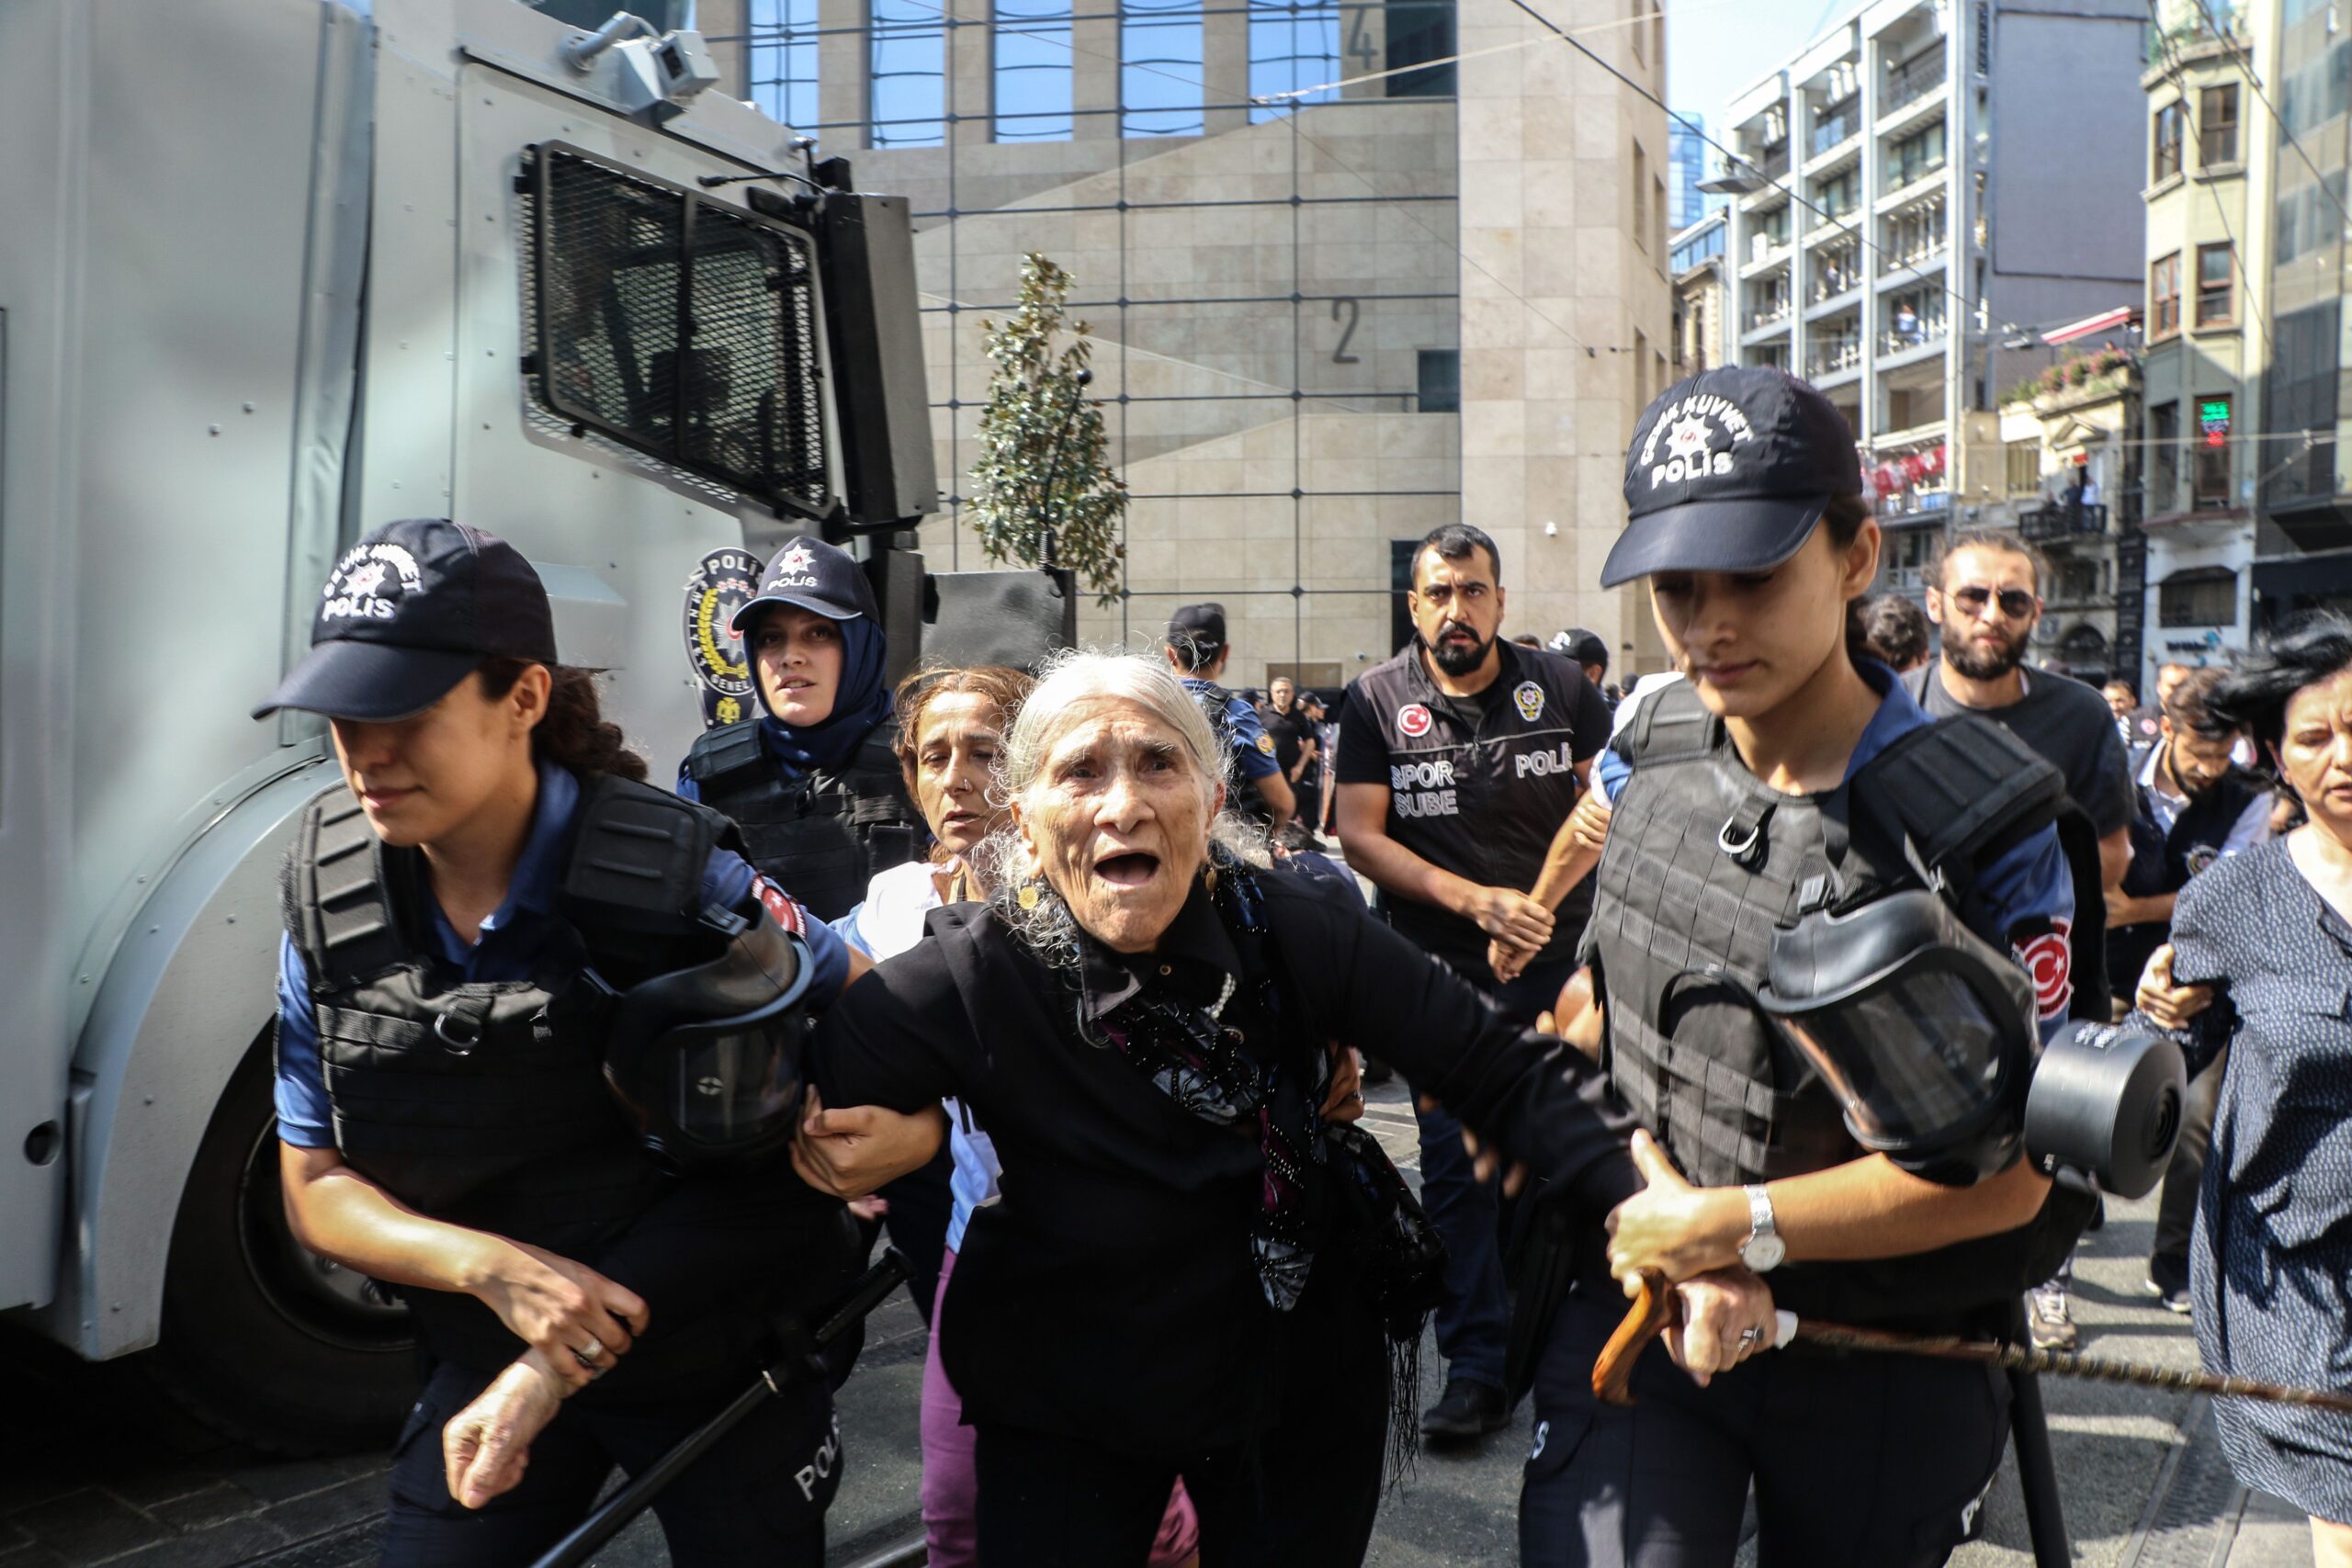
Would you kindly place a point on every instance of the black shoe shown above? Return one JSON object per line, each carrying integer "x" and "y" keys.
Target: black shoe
{"x": 1376, "y": 1073}
{"x": 2167, "y": 1281}
{"x": 1468, "y": 1412}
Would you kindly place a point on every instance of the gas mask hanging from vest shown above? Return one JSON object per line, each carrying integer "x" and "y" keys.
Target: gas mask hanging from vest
{"x": 1928, "y": 1037}
{"x": 708, "y": 1060}
{"x": 1921, "y": 1030}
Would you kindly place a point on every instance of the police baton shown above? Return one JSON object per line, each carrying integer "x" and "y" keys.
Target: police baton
{"x": 799, "y": 1359}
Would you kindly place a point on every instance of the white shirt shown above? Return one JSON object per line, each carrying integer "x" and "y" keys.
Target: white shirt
{"x": 887, "y": 924}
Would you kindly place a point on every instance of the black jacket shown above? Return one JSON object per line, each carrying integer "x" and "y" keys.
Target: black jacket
{"x": 1108, "y": 1295}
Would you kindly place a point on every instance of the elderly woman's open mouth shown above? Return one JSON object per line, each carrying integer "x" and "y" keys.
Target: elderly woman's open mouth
{"x": 1128, "y": 868}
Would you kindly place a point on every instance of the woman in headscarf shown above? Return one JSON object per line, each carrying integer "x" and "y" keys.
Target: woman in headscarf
{"x": 813, "y": 786}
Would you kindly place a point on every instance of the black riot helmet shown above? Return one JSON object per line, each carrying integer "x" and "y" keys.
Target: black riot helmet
{"x": 1925, "y": 1032}
{"x": 707, "y": 1059}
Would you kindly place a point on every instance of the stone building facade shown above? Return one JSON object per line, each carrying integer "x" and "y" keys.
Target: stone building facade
{"x": 1411, "y": 292}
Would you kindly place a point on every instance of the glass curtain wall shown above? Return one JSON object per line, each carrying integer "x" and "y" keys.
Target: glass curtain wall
{"x": 1265, "y": 248}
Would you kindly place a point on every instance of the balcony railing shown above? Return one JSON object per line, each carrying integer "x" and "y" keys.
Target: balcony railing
{"x": 1902, "y": 258}
{"x": 1927, "y": 332}
{"x": 1764, "y": 246}
{"x": 1770, "y": 315}
{"x": 2056, "y": 519}
{"x": 1772, "y": 166}
{"x": 1897, "y": 176}
{"x": 2186, "y": 26}
{"x": 1832, "y": 359}
{"x": 1841, "y": 127}
{"x": 1830, "y": 285}
{"x": 1909, "y": 86}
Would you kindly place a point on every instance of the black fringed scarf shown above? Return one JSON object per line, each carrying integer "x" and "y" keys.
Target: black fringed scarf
{"x": 1314, "y": 1175}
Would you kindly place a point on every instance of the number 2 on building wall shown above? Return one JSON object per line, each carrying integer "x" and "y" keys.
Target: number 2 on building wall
{"x": 1353, "y": 311}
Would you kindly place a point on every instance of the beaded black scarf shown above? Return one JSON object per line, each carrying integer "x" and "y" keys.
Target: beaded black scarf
{"x": 1315, "y": 1176}
{"x": 1214, "y": 1072}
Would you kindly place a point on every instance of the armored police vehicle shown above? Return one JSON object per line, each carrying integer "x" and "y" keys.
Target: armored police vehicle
{"x": 275, "y": 272}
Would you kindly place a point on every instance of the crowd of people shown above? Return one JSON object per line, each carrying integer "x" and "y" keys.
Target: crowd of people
{"x": 1053, "y": 974}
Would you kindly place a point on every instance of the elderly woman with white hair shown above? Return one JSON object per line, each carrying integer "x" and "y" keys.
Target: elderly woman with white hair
{"x": 1194, "y": 1268}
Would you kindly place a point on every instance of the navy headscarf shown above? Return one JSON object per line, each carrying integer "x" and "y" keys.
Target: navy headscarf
{"x": 861, "y": 702}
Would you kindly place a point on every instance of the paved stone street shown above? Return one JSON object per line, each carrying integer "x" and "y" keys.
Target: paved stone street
{"x": 106, "y": 1472}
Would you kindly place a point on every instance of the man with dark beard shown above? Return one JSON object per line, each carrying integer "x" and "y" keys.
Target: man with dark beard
{"x": 1985, "y": 593}
{"x": 1457, "y": 760}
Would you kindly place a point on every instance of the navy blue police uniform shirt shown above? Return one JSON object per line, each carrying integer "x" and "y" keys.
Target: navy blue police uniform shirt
{"x": 512, "y": 942}
{"x": 1476, "y": 785}
{"x": 1253, "y": 749}
{"x": 2029, "y": 889}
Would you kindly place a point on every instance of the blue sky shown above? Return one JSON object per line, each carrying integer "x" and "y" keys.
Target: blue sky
{"x": 1714, "y": 47}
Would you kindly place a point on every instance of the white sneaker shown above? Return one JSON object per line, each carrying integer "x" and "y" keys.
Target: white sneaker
{"x": 2050, "y": 1323}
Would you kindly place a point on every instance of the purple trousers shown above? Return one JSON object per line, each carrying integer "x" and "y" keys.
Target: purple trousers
{"x": 950, "y": 1517}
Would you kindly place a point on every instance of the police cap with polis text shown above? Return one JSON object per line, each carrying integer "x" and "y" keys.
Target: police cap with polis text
{"x": 1729, "y": 470}
{"x": 410, "y": 610}
{"x": 824, "y": 579}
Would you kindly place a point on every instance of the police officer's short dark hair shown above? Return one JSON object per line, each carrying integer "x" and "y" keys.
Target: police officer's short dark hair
{"x": 1454, "y": 541}
{"x": 2190, "y": 706}
{"x": 1991, "y": 539}
{"x": 1897, "y": 630}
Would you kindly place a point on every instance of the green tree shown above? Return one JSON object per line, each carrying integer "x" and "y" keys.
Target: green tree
{"x": 1042, "y": 492}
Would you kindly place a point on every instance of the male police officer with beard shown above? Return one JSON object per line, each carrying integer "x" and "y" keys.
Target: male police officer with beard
{"x": 1458, "y": 758}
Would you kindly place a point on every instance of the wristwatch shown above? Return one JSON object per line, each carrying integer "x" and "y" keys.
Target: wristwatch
{"x": 1764, "y": 1248}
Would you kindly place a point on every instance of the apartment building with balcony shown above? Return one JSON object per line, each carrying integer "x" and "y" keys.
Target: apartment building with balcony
{"x": 1343, "y": 288}
{"x": 1924, "y": 181}
{"x": 2212, "y": 156}
{"x": 2071, "y": 484}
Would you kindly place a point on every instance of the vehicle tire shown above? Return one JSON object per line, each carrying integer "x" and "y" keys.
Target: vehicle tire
{"x": 263, "y": 1340}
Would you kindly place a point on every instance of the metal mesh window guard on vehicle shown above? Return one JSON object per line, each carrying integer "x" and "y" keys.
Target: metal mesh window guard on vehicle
{"x": 632, "y": 278}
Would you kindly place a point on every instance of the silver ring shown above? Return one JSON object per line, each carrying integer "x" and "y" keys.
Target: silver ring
{"x": 1751, "y": 1335}
{"x": 1355, "y": 1094}
{"x": 588, "y": 1358}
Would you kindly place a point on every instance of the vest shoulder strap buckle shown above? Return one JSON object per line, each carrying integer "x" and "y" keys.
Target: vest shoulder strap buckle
{"x": 461, "y": 1029}
{"x": 1742, "y": 834}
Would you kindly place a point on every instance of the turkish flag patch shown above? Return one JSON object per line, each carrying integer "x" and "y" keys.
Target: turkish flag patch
{"x": 2048, "y": 954}
{"x": 789, "y": 915}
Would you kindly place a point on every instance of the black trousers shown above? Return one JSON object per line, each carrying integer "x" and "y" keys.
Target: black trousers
{"x": 1303, "y": 1495}
{"x": 1858, "y": 1461}
{"x": 2177, "y": 1206}
{"x": 757, "y": 1498}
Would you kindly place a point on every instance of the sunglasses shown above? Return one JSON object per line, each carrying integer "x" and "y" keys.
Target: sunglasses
{"x": 2016, "y": 603}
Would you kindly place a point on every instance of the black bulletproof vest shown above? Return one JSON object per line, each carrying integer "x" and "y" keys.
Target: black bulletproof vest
{"x": 822, "y": 837}
{"x": 1704, "y": 863}
{"x": 484, "y": 1103}
{"x": 2164, "y": 862}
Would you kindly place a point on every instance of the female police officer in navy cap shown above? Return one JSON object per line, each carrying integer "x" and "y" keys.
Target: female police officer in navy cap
{"x": 494, "y": 933}
{"x": 1747, "y": 799}
{"x": 813, "y": 785}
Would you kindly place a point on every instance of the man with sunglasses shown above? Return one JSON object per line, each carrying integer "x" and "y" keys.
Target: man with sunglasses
{"x": 1985, "y": 595}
